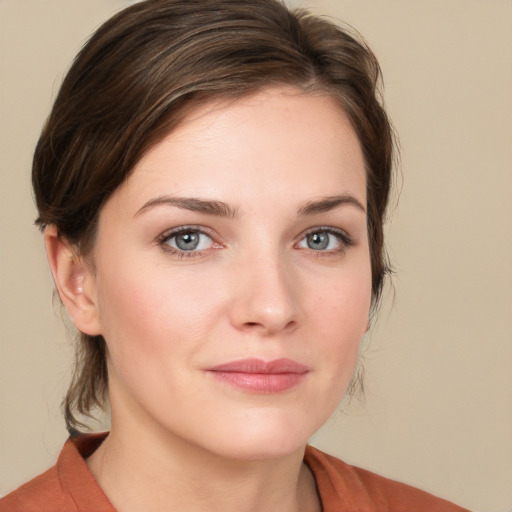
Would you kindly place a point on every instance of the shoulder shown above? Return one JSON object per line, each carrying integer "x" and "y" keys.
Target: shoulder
{"x": 340, "y": 484}
{"x": 66, "y": 487}
{"x": 36, "y": 495}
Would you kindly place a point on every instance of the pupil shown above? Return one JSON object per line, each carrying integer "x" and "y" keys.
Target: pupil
{"x": 318, "y": 241}
{"x": 187, "y": 241}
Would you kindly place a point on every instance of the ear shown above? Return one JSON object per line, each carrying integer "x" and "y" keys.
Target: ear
{"x": 75, "y": 282}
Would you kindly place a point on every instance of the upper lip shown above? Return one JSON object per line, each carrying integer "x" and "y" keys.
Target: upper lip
{"x": 254, "y": 365}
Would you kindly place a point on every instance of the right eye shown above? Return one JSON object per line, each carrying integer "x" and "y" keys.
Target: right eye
{"x": 186, "y": 241}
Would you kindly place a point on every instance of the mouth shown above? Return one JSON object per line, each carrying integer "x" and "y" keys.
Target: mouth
{"x": 258, "y": 376}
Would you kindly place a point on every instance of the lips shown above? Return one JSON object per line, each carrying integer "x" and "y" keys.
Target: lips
{"x": 258, "y": 376}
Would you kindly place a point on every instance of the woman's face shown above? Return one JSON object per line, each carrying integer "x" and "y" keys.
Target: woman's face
{"x": 232, "y": 276}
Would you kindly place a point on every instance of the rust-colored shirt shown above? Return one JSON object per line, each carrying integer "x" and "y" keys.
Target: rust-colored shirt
{"x": 70, "y": 487}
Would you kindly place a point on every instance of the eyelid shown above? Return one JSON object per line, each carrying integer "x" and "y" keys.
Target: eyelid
{"x": 329, "y": 229}
{"x": 168, "y": 234}
{"x": 345, "y": 238}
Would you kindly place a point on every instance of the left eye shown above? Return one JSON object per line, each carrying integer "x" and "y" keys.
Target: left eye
{"x": 322, "y": 240}
{"x": 189, "y": 240}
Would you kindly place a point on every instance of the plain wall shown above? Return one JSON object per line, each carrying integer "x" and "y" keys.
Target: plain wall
{"x": 438, "y": 408}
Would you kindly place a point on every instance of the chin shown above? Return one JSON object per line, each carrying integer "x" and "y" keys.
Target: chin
{"x": 258, "y": 449}
{"x": 255, "y": 440}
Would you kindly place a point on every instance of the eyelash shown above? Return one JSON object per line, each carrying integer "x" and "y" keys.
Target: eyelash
{"x": 342, "y": 236}
{"x": 163, "y": 240}
{"x": 346, "y": 241}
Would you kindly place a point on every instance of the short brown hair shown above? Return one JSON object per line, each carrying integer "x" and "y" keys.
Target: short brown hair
{"x": 138, "y": 77}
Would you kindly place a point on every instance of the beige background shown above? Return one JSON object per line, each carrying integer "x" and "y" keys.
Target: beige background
{"x": 438, "y": 412}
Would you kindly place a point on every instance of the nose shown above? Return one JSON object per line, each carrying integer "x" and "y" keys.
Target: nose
{"x": 265, "y": 298}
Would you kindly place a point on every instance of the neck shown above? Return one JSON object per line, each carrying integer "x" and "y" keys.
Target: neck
{"x": 155, "y": 471}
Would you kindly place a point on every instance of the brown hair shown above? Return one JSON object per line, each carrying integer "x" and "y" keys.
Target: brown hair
{"x": 139, "y": 75}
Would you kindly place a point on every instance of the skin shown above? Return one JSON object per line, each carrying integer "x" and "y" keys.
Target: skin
{"x": 256, "y": 288}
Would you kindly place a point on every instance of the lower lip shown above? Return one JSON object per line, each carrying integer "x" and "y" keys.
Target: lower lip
{"x": 265, "y": 383}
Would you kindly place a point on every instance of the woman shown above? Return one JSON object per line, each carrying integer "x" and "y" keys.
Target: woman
{"x": 212, "y": 183}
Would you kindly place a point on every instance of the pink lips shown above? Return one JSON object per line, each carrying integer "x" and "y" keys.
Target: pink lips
{"x": 258, "y": 376}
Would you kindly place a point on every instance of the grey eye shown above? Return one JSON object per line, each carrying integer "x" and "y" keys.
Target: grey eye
{"x": 318, "y": 241}
{"x": 326, "y": 240}
{"x": 187, "y": 241}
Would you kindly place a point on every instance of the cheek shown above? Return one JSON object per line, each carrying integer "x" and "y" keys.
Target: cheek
{"x": 154, "y": 324}
{"x": 149, "y": 308}
{"x": 341, "y": 319}
{"x": 344, "y": 301}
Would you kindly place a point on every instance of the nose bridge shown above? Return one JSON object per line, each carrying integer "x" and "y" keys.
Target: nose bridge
{"x": 265, "y": 292}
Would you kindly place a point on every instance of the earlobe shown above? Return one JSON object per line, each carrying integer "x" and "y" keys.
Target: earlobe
{"x": 74, "y": 280}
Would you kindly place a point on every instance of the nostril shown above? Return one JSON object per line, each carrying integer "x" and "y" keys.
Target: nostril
{"x": 271, "y": 329}
{"x": 291, "y": 325}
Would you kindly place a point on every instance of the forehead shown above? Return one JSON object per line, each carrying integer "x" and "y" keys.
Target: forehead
{"x": 275, "y": 142}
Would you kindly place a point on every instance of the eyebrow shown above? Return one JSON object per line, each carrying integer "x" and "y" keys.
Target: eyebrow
{"x": 194, "y": 204}
{"x": 221, "y": 209}
{"x": 328, "y": 203}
